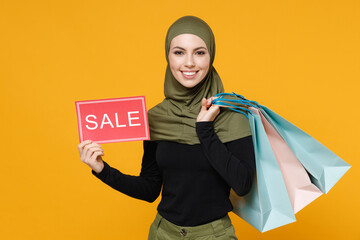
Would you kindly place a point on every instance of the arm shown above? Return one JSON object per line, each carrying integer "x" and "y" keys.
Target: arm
{"x": 234, "y": 161}
{"x": 146, "y": 187}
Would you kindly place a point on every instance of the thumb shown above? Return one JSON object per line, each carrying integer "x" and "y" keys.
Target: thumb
{"x": 203, "y": 104}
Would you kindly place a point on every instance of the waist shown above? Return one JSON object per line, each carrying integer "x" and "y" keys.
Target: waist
{"x": 216, "y": 227}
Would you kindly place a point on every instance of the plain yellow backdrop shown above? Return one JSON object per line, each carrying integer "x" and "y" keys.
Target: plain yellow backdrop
{"x": 299, "y": 58}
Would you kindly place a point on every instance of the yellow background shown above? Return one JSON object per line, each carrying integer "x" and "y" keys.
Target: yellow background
{"x": 299, "y": 58}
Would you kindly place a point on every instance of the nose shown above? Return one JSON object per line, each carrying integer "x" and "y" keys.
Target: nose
{"x": 189, "y": 61}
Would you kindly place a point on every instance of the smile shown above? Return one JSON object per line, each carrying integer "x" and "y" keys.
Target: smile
{"x": 189, "y": 75}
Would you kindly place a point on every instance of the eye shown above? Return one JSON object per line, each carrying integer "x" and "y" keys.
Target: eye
{"x": 200, "y": 52}
{"x": 178, "y": 52}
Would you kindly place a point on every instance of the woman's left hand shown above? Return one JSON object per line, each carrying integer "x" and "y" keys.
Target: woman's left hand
{"x": 208, "y": 114}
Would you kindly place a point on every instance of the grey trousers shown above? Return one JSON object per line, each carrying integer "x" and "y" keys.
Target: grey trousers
{"x": 221, "y": 229}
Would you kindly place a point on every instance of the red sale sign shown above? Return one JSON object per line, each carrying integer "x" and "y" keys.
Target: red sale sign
{"x": 113, "y": 120}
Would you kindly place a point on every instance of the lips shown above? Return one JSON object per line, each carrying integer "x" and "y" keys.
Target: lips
{"x": 189, "y": 74}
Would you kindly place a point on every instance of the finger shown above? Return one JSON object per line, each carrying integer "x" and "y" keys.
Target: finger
{"x": 91, "y": 150}
{"x": 96, "y": 149}
{"x": 208, "y": 103}
{"x": 89, "y": 156}
{"x": 95, "y": 155}
{"x": 219, "y": 105}
{"x": 82, "y": 144}
{"x": 86, "y": 146}
{"x": 213, "y": 112}
{"x": 214, "y": 108}
{"x": 212, "y": 100}
{"x": 86, "y": 149}
{"x": 203, "y": 104}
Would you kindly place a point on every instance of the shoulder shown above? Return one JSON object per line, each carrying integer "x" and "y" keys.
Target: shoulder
{"x": 230, "y": 125}
{"x": 233, "y": 120}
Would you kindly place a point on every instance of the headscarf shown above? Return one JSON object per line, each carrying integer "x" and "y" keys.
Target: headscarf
{"x": 174, "y": 118}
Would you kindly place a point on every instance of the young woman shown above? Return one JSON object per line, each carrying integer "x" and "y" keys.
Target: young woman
{"x": 196, "y": 153}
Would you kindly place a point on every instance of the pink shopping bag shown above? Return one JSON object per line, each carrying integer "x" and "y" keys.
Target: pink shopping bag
{"x": 298, "y": 184}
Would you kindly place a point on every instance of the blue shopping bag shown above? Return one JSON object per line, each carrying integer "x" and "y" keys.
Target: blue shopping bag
{"x": 324, "y": 167}
{"x": 267, "y": 205}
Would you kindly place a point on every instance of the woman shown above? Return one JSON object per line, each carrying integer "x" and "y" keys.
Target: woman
{"x": 196, "y": 152}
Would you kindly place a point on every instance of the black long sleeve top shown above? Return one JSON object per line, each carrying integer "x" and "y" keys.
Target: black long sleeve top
{"x": 195, "y": 179}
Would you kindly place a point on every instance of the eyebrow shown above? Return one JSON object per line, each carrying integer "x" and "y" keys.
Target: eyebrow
{"x": 194, "y": 49}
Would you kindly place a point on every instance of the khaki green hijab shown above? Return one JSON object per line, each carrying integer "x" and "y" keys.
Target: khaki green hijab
{"x": 174, "y": 118}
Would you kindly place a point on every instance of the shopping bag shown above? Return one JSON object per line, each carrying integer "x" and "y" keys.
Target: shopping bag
{"x": 324, "y": 166}
{"x": 313, "y": 158}
{"x": 267, "y": 205}
{"x": 298, "y": 184}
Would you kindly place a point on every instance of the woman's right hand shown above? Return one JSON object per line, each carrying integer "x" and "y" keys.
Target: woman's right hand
{"x": 90, "y": 153}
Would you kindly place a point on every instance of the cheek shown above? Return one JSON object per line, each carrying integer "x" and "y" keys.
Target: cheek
{"x": 173, "y": 68}
{"x": 173, "y": 63}
{"x": 204, "y": 64}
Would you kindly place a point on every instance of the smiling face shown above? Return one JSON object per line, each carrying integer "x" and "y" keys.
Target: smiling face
{"x": 189, "y": 59}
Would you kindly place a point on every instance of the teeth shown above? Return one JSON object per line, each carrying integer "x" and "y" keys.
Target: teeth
{"x": 189, "y": 73}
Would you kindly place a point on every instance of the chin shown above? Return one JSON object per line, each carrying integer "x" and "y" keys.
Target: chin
{"x": 188, "y": 84}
